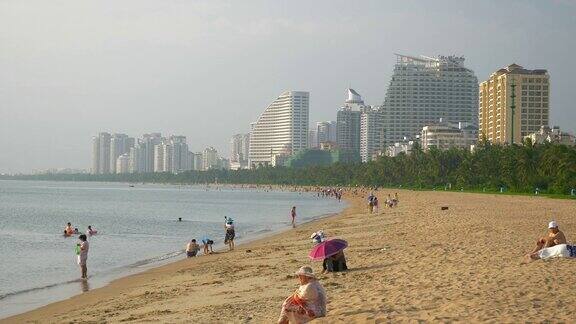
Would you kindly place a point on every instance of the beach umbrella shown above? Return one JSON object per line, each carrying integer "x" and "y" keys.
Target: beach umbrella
{"x": 326, "y": 249}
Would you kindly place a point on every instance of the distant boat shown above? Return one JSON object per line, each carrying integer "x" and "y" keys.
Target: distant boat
{"x": 131, "y": 186}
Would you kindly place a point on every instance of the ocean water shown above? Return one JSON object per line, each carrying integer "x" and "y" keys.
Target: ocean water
{"x": 137, "y": 227}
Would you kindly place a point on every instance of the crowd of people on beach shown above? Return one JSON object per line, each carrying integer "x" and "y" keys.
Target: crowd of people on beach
{"x": 373, "y": 202}
{"x": 308, "y": 302}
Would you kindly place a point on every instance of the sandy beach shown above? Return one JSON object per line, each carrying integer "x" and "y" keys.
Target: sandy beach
{"x": 411, "y": 263}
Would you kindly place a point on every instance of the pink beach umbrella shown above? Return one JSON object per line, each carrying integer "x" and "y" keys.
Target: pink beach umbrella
{"x": 326, "y": 249}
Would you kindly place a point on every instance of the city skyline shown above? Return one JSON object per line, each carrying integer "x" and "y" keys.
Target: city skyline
{"x": 63, "y": 85}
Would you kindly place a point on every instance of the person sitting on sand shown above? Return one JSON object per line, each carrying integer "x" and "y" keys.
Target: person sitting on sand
{"x": 335, "y": 263}
{"x": 192, "y": 248}
{"x": 307, "y": 303}
{"x": 207, "y": 244}
{"x": 554, "y": 237}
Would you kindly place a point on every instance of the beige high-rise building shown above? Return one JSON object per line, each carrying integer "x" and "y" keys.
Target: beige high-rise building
{"x": 532, "y": 101}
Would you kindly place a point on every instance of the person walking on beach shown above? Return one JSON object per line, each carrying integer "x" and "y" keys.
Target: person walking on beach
{"x": 293, "y": 215}
{"x": 371, "y": 203}
{"x": 82, "y": 252}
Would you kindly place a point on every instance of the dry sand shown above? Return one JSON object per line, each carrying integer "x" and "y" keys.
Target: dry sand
{"x": 408, "y": 264}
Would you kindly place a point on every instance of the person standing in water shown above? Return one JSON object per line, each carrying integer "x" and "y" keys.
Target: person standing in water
{"x": 82, "y": 252}
{"x": 230, "y": 232}
{"x": 293, "y": 214}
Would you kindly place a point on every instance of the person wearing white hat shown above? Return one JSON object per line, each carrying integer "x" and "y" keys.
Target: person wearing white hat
{"x": 307, "y": 303}
{"x": 554, "y": 237}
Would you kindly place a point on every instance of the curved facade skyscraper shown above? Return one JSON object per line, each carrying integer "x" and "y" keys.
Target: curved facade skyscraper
{"x": 423, "y": 90}
{"x": 281, "y": 130}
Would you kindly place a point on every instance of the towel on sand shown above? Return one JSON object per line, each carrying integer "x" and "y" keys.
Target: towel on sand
{"x": 558, "y": 251}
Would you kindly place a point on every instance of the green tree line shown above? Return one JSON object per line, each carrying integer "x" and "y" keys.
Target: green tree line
{"x": 518, "y": 168}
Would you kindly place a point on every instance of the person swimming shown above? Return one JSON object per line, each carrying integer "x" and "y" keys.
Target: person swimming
{"x": 90, "y": 231}
{"x": 68, "y": 229}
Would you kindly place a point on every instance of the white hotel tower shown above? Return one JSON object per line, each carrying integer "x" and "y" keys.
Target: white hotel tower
{"x": 282, "y": 129}
{"x": 425, "y": 89}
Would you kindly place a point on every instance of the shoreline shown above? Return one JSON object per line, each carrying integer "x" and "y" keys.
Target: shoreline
{"x": 414, "y": 262}
{"x": 126, "y": 272}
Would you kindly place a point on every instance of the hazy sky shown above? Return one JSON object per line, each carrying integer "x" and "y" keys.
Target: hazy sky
{"x": 206, "y": 69}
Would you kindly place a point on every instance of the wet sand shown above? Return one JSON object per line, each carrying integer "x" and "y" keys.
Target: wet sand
{"x": 411, "y": 263}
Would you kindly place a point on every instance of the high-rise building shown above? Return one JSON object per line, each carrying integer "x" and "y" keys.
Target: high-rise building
{"x": 101, "y": 153}
{"x": 239, "y": 147}
{"x": 95, "y": 155}
{"x": 149, "y": 141}
{"x": 137, "y": 162}
{"x": 348, "y": 125}
{"x": 529, "y": 89}
{"x": 119, "y": 144}
{"x": 123, "y": 163}
{"x": 210, "y": 159}
{"x": 422, "y": 90}
{"x": 159, "y": 157}
{"x": 326, "y": 132}
{"x": 313, "y": 142}
{"x": 239, "y": 151}
{"x": 198, "y": 160}
{"x": 163, "y": 157}
{"x": 282, "y": 129}
{"x": 179, "y": 154}
{"x": 371, "y": 132}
